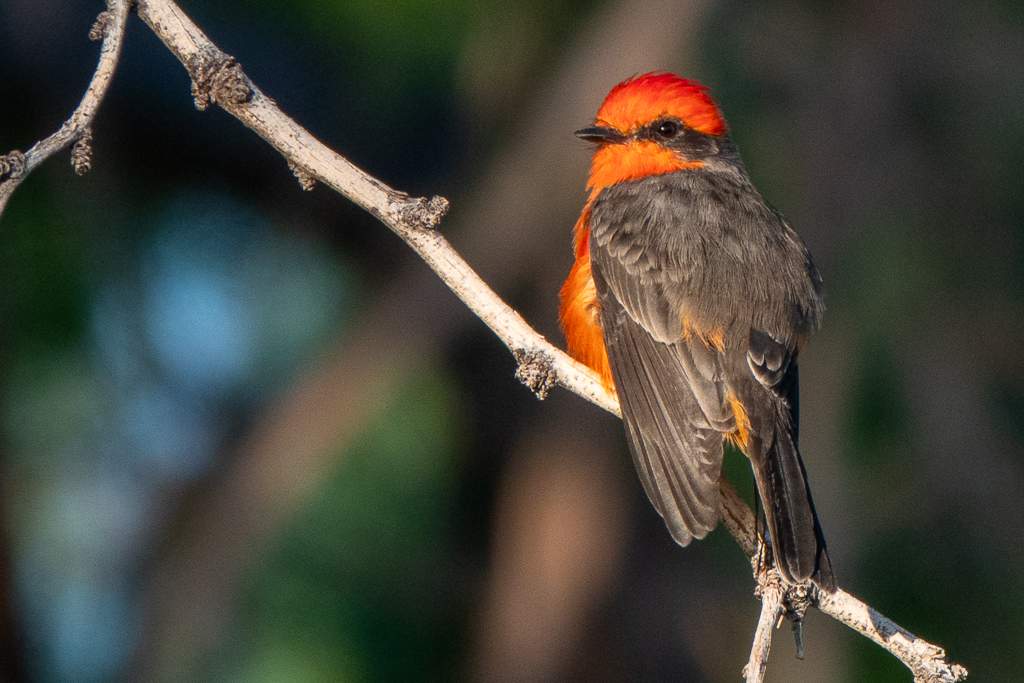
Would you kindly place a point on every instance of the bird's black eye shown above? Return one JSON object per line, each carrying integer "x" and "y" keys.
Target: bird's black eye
{"x": 667, "y": 129}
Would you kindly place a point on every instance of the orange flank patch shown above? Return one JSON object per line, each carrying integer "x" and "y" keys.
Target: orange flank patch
{"x": 714, "y": 338}
{"x": 581, "y": 231}
{"x": 640, "y": 100}
{"x": 615, "y": 163}
{"x": 741, "y": 436}
{"x": 579, "y": 314}
{"x": 688, "y": 332}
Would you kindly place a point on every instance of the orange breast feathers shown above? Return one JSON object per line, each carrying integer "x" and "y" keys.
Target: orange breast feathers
{"x": 580, "y": 310}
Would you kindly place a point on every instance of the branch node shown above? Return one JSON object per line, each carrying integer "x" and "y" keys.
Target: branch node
{"x": 797, "y": 597}
{"x": 81, "y": 153}
{"x": 420, "y": 213}
{"x": 12, "y": 165}
{"x": 780, "y": 600}
{"x": 307, "y": 180}
{"x": 99, "y": 27}
{"x": 535, "y": 371}
{"x": 217, "y": 79}
{"x": 936, "y": 669}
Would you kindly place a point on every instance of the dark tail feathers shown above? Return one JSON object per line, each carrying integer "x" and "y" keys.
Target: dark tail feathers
{"x": 797, "y": 540}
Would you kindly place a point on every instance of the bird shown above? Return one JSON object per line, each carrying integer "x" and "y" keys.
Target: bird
{"x": 691, "y": 297}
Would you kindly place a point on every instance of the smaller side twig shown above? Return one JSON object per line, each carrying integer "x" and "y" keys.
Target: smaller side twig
{"x": 15, "y": 166}
{"x": 772, "y": 612}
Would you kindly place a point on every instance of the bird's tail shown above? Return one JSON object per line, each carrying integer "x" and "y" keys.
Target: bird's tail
{"x": 797, "y": 540}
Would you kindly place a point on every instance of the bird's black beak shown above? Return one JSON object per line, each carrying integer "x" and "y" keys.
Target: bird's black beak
{"x": 601, "y": 135}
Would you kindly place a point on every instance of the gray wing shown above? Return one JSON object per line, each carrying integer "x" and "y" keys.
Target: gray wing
{"x": 671, "y": 403}
{"x": 670, "y": 389}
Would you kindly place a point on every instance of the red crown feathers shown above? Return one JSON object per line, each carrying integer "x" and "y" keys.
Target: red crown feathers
{"x": 641, "y": 99}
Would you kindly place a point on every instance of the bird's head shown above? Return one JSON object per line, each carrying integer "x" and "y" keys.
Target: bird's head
{"x": 653, "y": 124}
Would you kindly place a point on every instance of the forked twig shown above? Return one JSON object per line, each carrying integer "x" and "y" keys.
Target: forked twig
{"x": 15, "y": 165}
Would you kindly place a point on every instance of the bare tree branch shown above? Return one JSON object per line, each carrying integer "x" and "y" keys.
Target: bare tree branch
{"x": 15, "y": 166}
{"x": 927, "y": 661}
{"x": 218, "y": 79}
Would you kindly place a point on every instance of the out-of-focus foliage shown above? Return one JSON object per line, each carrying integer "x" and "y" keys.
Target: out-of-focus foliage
{"x": 366, "y": 585}
{"x": 114, "y": 383}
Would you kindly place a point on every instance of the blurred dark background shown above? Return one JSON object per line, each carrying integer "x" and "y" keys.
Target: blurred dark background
{"x": 246, "y": 436}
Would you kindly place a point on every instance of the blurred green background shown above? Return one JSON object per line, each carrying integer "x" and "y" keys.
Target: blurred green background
{"x": 246, "y": 436}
